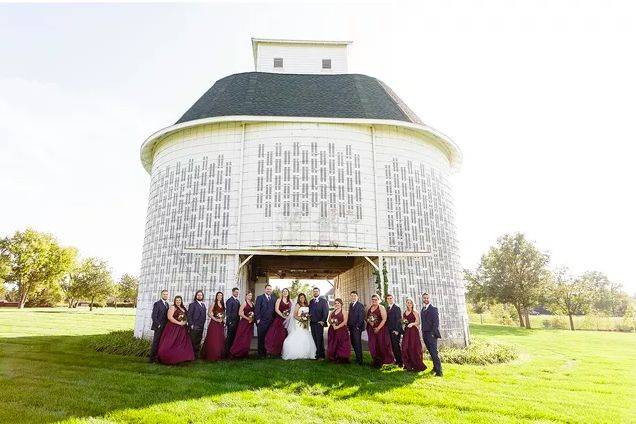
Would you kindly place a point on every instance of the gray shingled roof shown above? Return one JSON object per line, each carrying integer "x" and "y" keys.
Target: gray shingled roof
{"x": 324, "y": 96}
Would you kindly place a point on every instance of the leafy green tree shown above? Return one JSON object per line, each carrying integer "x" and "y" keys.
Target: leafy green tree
{"x": 35, "y": 263}
{"x": 513, "y": 272}
{"x": 295, "y": 288}
{"x": 609, "y": 298}
{"x": 92, "y": 281}
{"x": 568, "y": 295}
{"x": 127, "y": 288}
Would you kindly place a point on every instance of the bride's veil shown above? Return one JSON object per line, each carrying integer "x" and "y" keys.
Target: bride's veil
{"x": 289, "y": 321}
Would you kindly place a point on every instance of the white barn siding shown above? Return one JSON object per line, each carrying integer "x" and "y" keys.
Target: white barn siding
{"x": 309, "y": 184}
{"x": 301, "y": 58}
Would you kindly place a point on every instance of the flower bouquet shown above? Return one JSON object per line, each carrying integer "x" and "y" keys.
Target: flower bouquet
{"x": 251, "y": 316}
{"x": 371, "y": 319}
{"x": 405, "y": 323}
{"x": 285, "y": 314}
{"x": 334, "y": 321}
{"x": 183, "y": 318}
{"x": 304, "y": 319}
{"x": 220, "y": 315}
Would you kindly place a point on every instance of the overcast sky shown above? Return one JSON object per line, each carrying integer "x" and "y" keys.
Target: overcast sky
{"x": 540, "y": 96}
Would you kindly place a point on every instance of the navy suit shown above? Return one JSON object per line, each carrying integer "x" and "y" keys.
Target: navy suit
{"x": 197, "y": 314}
{"x": 394, "y": 324}
{"x": 319, "y": 314}
{"x": 356, "y": 324}
{"x": 159, "y": 321}
{"x": 232, "y": 306}
{"x": 264, "y": 313}
{"x": 430, "y": 332}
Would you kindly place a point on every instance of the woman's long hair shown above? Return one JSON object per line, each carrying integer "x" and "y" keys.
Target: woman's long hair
{"x": 304, "y": 302}
{"x": 217, "y": 306}
{"x": 174, "y": 303}
{"x": 412, "y": 308}
{"x": 282, "y": 295}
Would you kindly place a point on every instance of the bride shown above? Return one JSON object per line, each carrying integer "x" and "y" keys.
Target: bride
{"x": 299, "y": 344}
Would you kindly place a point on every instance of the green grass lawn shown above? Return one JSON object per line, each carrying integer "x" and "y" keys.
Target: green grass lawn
{"x": 48, "y": 374}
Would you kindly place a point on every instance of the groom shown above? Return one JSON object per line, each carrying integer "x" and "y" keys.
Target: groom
{"x": 264, "y": 312}
{"x": 318, "y": 316}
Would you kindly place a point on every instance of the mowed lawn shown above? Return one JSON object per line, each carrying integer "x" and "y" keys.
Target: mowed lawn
{"x": 47, "y": 374}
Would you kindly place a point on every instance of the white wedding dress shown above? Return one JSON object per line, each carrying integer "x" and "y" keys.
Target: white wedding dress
{"x": 299, "y": 344}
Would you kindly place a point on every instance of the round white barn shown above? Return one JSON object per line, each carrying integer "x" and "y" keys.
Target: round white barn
{"x": 301, "y": 170}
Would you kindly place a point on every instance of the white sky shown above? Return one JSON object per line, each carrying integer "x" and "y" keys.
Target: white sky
{"x": 540, "y": 96}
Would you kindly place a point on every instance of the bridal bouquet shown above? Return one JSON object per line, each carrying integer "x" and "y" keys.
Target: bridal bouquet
{"x": 304, "y": 319}
{"x": 285, "y": 314}
{"x": 371, "y": 319}
{"x": 251, "y": 316}
{"x": 220, "y": 315}
{"x": 182, "y": 318}
{"x": 334, "y": 321}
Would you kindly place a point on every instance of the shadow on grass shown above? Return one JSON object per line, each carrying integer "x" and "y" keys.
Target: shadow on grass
{"x": 56, "y": 377}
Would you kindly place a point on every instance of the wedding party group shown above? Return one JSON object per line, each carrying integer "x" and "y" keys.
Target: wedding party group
{"x": 290, "y": 329}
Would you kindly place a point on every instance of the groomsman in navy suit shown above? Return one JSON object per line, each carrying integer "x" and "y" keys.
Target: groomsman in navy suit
{"x": 318, "y": 316}
{"x": 394, "y": 324}
{"x": 430, "y": 332}
{"x": 159, "y": 321}
{"x": 232, "y": 306}
{"x": 197, "y": 313}
{"x": 264, "y": 314}
{"x": 356, "y": 324}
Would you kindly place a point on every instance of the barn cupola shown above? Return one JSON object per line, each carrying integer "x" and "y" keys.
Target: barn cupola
{"x": 300, "y": 56}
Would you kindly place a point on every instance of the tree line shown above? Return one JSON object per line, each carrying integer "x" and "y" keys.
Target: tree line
{"x": 514, "y": 272}
{"x": 35, "y": 270}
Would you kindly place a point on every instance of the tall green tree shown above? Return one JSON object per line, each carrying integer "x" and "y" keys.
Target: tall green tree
{"x": 513, "y": 272}
{"x": 92, "y": 281}
{"x": 295, "y": 288}
{"x": 35, "y": 263}
{"x": 127, "y": 288}
{"x": 609, "y": 297}
{"x": 569, "y": 295}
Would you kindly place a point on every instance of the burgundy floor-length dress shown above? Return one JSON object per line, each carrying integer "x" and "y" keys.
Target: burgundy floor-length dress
{"x": 243, "y": 339}
{"x": 214, "y": 347}
{"x": 380, "y": 343}
{"x": 338, "y": 341}
{"x": 277, "y": 332}
{"x": 412, "y": 346}
{"x": 175, "y": 345}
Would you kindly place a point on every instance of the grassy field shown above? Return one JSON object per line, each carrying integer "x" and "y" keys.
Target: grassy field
{"x": 584, "y": 322}
{"x": 47, "y": 374}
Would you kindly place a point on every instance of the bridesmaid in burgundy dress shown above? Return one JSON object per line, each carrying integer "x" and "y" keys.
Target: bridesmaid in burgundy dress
{"x": 277, "y": 332}
{"x": 215, "y": 338}
{"x": 379, "y": 338}
{"x": 338, "y": 341}
{"x": 175, "y": 345}
{"x": 243, "y": 339}
{"x": 412, "y": 342}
